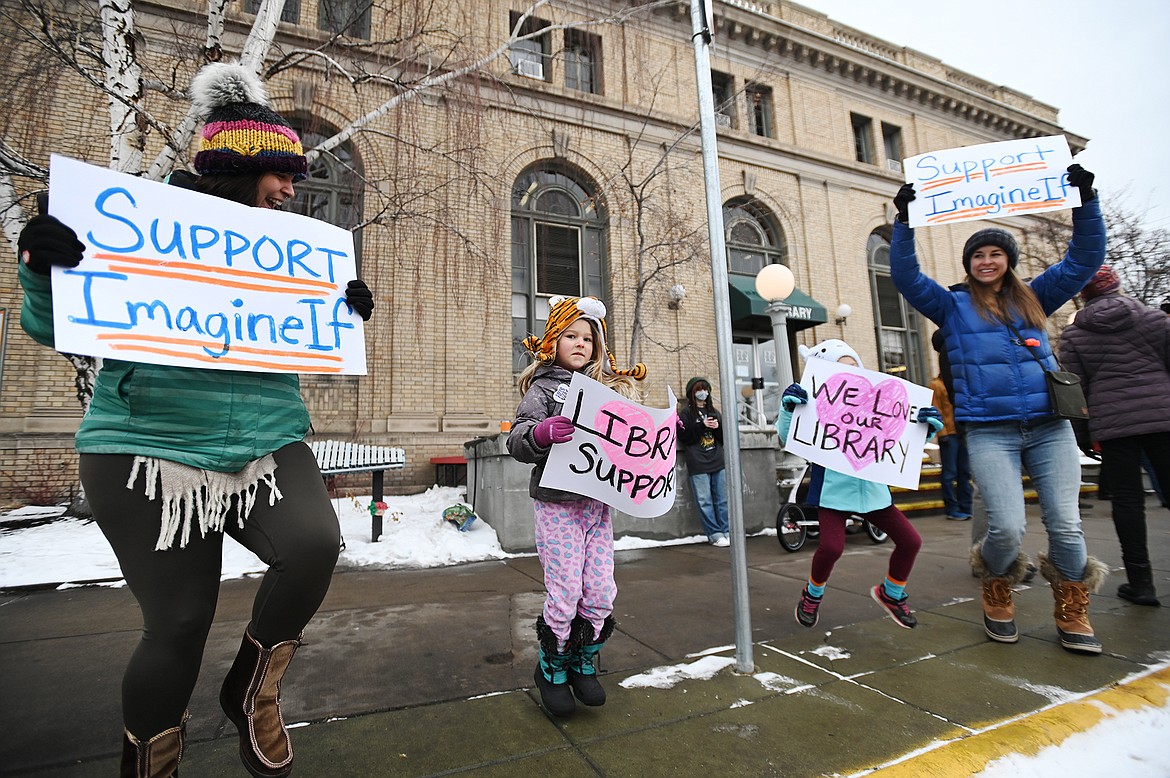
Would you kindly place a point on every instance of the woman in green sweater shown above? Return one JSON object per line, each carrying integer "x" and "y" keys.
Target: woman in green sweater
{"x": 167, "y": 450}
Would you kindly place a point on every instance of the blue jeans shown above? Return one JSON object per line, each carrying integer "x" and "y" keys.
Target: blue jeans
{"x": 1047, "y": 449}
{"x": 710, "y": 490}
{"x": 956, "y": 475}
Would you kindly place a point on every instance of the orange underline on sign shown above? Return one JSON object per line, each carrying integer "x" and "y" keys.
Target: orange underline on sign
{"x": 308, "y": 283}
{"x": 960, "y": 214}
{"x": 213, "y": 344}
{"x": 1037, "y": 206}
{"x": 951, "y": 180}
{"x": 1019, "y": 168}
{"x": 225, "y": 360}
{"x": 201, "y": 278}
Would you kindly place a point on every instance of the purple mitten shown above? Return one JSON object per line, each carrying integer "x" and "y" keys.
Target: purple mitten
{"x": 554, "y": 429}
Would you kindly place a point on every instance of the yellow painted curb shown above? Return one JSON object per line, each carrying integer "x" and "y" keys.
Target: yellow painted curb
{"x": 1028, "y": 735}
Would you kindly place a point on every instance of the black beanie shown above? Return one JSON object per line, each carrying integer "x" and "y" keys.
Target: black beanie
{"x": 992, "y": 236}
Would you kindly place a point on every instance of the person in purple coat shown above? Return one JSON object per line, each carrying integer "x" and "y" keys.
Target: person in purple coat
{"x": 1120, "y": 348}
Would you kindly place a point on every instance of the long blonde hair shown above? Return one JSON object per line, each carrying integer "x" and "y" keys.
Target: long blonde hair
{"x": 595, "y": 368}
{"x": 1014, "y": 297}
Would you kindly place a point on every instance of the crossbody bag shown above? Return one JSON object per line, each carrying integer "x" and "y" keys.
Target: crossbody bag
{"x": 1064, "y": 388}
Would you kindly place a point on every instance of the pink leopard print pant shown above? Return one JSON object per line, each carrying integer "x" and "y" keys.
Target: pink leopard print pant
{"x": 574, "y": 541}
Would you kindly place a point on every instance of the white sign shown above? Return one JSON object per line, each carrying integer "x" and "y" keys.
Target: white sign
{"x": 621, "y": 453}
{"x": 176, "y": 277}
{"x": 861, "y": 423}
{"x": 1008, "y": 178}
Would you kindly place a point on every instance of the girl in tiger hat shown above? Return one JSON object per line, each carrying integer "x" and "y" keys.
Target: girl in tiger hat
{"x": 574, "y": 534}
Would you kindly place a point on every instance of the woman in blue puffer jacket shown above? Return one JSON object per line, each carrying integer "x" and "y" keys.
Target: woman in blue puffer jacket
{"x": 994, "y": 328}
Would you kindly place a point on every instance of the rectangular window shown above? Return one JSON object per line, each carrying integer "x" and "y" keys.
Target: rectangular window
{"x": 892, "y": 139}
{"x": 529, "y": 57}
{"x": 724, "y": 99}
{"x": 862, "y": 138}
{"x": 291, "y": 12}
{"x": 759, "y": 100}
{"x": 583, "y": 61}
{"x": 558, "y": 260}
{"x": 344, "y": 17}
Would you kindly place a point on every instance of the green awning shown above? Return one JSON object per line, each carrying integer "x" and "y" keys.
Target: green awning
{"x": 747, "y": 307}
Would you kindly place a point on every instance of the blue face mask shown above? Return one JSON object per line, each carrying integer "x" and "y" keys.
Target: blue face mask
{"x": 702, "y": 395}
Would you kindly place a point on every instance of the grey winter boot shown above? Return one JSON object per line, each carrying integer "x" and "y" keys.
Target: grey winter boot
{"x": 1072, "y": 604}
{"x": 552, "y": 673}
{"x": 584, "y": 648}
{"x": 1140, "y": 588}
{"x": 999, "y": 612}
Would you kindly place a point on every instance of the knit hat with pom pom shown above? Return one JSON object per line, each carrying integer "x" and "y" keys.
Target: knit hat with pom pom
{"x": 242, "y": 134}
{"x": 563, "y": 311}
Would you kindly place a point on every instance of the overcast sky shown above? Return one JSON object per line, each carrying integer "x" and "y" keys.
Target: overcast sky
{"x": 1104, "y": 64}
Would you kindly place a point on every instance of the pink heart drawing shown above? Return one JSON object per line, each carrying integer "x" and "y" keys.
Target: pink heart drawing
{"x": 868, "y": 416}
{"x": 643, "y": 448}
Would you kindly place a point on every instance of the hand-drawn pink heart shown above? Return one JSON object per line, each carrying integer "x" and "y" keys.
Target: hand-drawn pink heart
{"x": 868, "y": 416}
{"x": 643, "y": 447}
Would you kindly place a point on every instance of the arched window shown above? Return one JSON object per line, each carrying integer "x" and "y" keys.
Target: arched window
{"x": 332, "y": 193}
{"x": 754, "y": 239}
{"x": 899, "y": 339}
{"x": 333, "y": 190}
{"x": 558, "y": 246}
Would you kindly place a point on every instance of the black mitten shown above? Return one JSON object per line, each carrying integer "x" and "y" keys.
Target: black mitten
{"x": 1082, "y": 179}
{"x": 360, "y": 298}
{"x": 45, "y": 241}
{"x": 902, "y": 202}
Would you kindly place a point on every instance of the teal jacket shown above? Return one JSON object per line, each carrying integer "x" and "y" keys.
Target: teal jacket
{"x": 211, "y": 419}
{"x": 832, "y": 489}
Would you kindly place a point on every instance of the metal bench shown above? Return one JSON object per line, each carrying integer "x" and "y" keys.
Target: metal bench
{"x": 336, "y": 457}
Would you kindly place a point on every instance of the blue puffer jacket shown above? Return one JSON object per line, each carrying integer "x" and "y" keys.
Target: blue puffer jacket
{"x": 996, "y": 377}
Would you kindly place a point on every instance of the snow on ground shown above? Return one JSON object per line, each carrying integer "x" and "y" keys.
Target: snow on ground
{"x": 37, "y": 547}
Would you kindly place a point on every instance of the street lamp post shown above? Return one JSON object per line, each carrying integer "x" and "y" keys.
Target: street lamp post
{"x": 774, "y": 283}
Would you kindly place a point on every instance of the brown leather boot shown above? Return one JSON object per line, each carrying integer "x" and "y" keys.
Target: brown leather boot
{"x": 156, "y": 758}
{"x": 250, "y": 696}
{"x": 1072, "y": 604}
{"x": 999, "y": 612}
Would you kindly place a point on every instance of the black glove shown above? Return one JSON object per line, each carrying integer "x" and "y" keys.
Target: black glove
{"x": 902, "y": 202}
{"x": 360, "y": 298}
{"x": 45, "y": 241}
{"x": 1083, "y": 180}
{"x": 793, "y": 396}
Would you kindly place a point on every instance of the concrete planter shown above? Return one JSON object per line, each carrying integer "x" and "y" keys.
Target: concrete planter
{"x": 497, "y": 488}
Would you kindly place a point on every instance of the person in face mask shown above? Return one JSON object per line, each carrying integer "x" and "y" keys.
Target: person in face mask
{"x": 700, "y": 437}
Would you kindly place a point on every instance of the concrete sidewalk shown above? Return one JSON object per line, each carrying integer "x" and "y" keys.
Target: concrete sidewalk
{"x": 421, "y": 673}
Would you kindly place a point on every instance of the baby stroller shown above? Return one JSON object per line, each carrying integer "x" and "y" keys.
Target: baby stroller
{"x": 796, "y": 521}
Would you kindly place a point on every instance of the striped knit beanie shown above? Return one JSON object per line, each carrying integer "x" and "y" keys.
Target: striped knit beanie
{"x": 563, "y": 311}
{"x": 242, "y": 134}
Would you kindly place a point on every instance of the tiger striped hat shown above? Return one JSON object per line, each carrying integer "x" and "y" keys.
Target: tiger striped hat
{"x": 562, "y": 312}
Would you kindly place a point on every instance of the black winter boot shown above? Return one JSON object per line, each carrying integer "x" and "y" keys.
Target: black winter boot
{"x": 1140, "y": 589}
{"x": 552, "y": 673}
{"x": 582, "y": 666}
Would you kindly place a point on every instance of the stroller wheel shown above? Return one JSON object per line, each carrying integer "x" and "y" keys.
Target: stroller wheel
{"x": 789, "y": 531}
{"x": 875, "y": 534}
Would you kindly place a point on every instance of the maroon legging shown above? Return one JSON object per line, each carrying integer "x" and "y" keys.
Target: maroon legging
{"x": 890, "y": 520}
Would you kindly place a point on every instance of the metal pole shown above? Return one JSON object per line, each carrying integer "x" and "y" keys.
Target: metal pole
{"x": 701, "y": 32}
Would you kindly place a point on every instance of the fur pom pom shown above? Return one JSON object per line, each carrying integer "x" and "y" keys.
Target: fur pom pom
{"x": 591, "y": 306}
{"x": 220, "y": 84}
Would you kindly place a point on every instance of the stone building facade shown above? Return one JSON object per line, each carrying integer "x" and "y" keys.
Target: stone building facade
{"x": 570, "y": 164}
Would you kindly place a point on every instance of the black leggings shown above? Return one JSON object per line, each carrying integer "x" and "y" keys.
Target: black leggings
{"x": 178, "y": 589}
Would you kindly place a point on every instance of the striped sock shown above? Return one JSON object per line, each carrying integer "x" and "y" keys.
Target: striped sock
{"x": 816, "y": 590}
{"x": 894, "y": 589}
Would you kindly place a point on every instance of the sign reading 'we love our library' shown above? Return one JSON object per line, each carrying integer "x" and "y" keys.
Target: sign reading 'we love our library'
{"x": 176, "y": 277}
